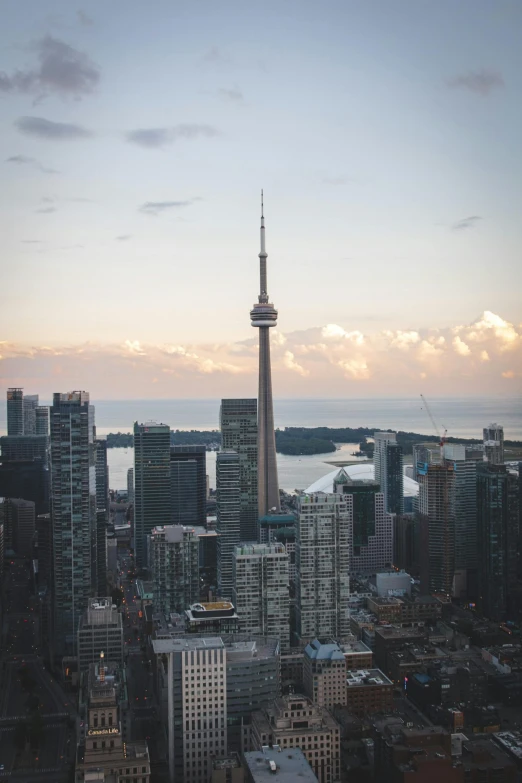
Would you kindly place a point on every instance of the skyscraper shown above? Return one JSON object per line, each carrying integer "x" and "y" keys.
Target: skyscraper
{"x": 464, "y": 501}
{"x": 151, "y": 483}
{"x": 238, "y": 421}
{"x": 174, "y": 566}
{"x": 15, "y": 411}
{"x": 437, "y": 528}
{"x": 388, "y": 461}
{"x": 130, "y": 485}
{"x": 102, "y": 477}
{"x": 261, "y": 592}
{"x": 228, "y": 517}
{"x": 371, "y": 534}
{"x": 73, "y": 504}
{"x": 493, "y": 438}
{"x": 188, "y": 485}
{"x": 42, "y": 420}
{"x": 30, "y": 404}
{"x": 323, "y": 541}
{"x": 263, "y": 316}
{"x": 497, "y": 506}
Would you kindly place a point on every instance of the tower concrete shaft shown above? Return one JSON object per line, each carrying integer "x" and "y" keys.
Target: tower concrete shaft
{"x": 263, "y": 316}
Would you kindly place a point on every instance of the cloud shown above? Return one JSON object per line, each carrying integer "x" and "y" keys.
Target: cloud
{"x": 469, "y": 222}
{"x": 83, "y": 18}
{"x": 234, "y": 95}
{"x": 46, "y": 210}
{"x": 490, "y": 324}
{"x": 123, "y": 237}
{"x": 156, "y": 207}
{"x": 291, "y": 364}
{"x": 134, "y": 346}
{"x": 333, "y": 330}
{"x": 215, "y": 56}
{"x": 460, "y": 347}
{"x": 46, "y": 129}
{"x": 487, "y": 353}
{"x": 403, "y": 340}
{"x": 62, "y": 70}
{"x": 482, "y": 82}
{"x": 355, "y": 368}
{"x": 22, "y": 160}
{"x": 154, "y": 138}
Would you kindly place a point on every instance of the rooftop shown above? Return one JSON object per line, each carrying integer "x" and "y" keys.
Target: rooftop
{"x": 366, "y": 677}
{"x": 280, "y": 766}
{"x": 322, "y": 652}
{"x": 362, "y": 471}
{"x": 192, "y": 642}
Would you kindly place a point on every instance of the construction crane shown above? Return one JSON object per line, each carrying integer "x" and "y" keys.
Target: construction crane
{"x": 442, "y": 440}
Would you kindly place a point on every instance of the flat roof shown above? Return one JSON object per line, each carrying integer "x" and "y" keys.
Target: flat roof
{"x": 291, "y": 766}
{"x": 162, "y": 646}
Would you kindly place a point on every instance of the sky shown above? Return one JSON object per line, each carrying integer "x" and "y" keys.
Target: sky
{"x": 135, "y": 140}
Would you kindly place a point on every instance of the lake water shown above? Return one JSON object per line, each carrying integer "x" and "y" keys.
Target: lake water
{"x": 464, "y": 418}
{"x": 293, "y": 472}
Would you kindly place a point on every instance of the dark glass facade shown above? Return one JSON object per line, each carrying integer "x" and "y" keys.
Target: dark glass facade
{"x": 188, "y": 485}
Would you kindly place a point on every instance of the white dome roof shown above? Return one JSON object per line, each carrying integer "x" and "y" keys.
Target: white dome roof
{"x": 362, "y": 471}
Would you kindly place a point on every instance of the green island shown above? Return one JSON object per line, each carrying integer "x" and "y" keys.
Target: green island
{"x": 305, "y": 440}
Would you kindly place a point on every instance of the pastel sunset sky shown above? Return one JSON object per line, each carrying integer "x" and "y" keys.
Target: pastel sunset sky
{"x": 136, "y": 138}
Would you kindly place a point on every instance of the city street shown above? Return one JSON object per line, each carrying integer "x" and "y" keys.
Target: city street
{"x": 143, "y": 711}
{"x": 27, "y": 687}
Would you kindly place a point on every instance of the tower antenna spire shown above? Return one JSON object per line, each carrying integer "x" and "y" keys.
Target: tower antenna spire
{"x": 262, "y": 210}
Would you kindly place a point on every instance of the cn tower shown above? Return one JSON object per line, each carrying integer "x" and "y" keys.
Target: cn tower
{"x": 264, "y": 315}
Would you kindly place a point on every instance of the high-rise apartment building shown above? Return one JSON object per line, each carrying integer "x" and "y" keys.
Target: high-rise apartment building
{"x": 263, "y": 316}
{"x": 436, "y": 518}
{"x": 151, "y": 483}
{"x": 498, "y": 511}
{"x": 15, "y": 411}
{"x": 197, "y": 704}
{"x": 42, "y": 420}
{"x": 323, "y": 543}
{"x": 493, "y": 439}
{"x": 130, "y": 485}
{"x": 260, "y": 592}
{"x": 30, "y": 405}
{"x": 228, "y": 492}
{"x": 464, "y": 500}
{"x": 73, "y": 510}
{"x": 188, "y": 485}
{"x": 174, "y": 567}
{"x": 102, "y": 477}
{"x": 371, "y": 546}
{"x": 100, "y": 631}
{"x": 238, "y": 423}
{"x": 388, "y": 462}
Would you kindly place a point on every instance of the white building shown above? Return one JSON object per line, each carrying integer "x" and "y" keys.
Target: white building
{"x": 323, "y": 544}
{"x": 261, "y": 592}
{"x": 197, "y": 705}
{"x": 371, "y": 528}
